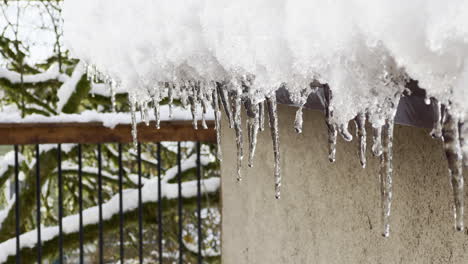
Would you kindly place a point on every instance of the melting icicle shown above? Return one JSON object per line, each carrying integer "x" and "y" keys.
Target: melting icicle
{"x": 204, "y": 101}
{"x": 237, "y": 103}
{"x": 273, "y": 113}
{"x": 361, "y": 133}
{"x": 253, "y": 127}
{"x": 453, "y": 153}
{"x": 217, "y": 115}
{"x": 377, "y": 141}
{"x": 223, "y": 95}
{"x": 134, "y": 121}
{"x": 261, "y": 116}
{"x": 437, "y": 126}
{"x": 386, "y": 172}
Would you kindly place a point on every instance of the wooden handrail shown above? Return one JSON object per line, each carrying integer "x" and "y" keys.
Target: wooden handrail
{"x": 96, "y": 132}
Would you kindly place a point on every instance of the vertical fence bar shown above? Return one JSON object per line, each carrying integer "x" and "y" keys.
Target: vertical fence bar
{"x": 60, "y": 200}
{"x": 80, "y": 201}
{"x": 17, "y": 207}
{"x": 179, "y": 185}
{"x": 140, "y": 208}
{"x": 101, "y": 237}
{"x": 38, "y": 205}
{"x": 160, "y": 231}
{"x": 121, "y": 218}
{"x": 199, "y": 198}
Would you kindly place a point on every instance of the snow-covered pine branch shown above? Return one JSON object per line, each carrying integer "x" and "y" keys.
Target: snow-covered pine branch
{"x": 110, "y": 210}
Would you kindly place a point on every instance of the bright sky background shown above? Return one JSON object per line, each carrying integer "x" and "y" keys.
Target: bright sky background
{"x": 35, "y": 28}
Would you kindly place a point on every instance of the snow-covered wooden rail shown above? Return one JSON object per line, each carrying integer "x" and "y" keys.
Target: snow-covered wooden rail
{"x": 97, "y": 132}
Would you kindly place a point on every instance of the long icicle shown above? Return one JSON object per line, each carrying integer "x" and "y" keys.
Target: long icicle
{"x": 437, "y": 112}
{"x": 332, "y": 130}
{"x": 273, "y": 113}
{"x": 192, "y": 98}
{"x": 253, "y": 127}
{"x": 204, "y": 102}
{"x": 134, "y": 122}
{"x": 386, "y": 173}
{"x": 361, "y": 134}
{"x": 237, "y": 104}
{"x": 453, "y": 153}
{"x": 223, "y": 95}
{"x": 156, "y": 97}
{"x": 217, "y": 114}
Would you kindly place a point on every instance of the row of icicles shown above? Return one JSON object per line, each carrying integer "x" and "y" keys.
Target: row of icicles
{"x": 198, "y": 96}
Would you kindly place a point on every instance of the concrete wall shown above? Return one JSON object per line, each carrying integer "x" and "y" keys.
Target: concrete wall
{"x": 330, "y": 213}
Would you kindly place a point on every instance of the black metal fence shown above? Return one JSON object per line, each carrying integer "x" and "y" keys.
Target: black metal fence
{"x": 24, "y": 248}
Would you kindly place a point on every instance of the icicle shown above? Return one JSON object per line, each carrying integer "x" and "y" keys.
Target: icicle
{"x": 272, "y": 112}
{"x": 203, "y": 103}
{"x": 192, "y": 98}
{"x": 170, "y": 95}
{"x": 261, "y": 116}
{"x": 223, "y": 95}
{"x": 134, "y": 121}
{"x": 237, "y": 103}
{"x": 301, "y": 100}
{"x": 437, "y": 126}
{"x": 253, "y": 127}
{"x": 360, "y": 122}
{"x": 298, "y": 121}
{"x": 377, "y": 141}
{"x": 112, "y": 94}
{"x": 386, "y": 172}
{"x": 217, "y": 114}
{"x": 157, "y": 113}
{"x": 453, "y": 153}
{"x": 332, "y": 131}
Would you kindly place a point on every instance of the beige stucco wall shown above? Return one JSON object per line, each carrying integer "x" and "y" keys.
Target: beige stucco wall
{"x": 329, "y": 213}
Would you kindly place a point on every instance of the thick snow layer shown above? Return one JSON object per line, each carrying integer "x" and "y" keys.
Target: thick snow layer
{"x": 358, "y": 56}
{"x": 364, "y": 50}
{"x": 108, "y": 119}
